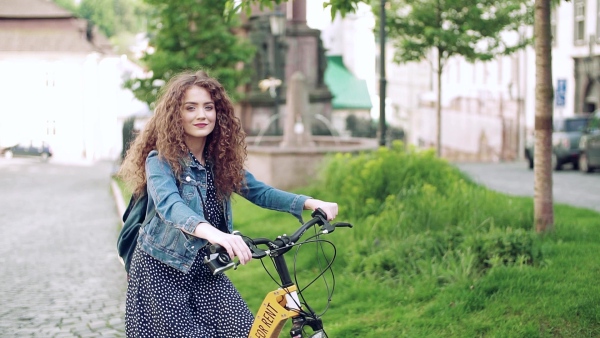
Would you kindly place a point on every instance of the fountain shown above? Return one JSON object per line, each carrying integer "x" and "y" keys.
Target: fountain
{"x": 298, "y": 59}
{"x": 293, "y": 160}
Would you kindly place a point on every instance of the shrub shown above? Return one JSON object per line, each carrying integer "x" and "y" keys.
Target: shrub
{"x": 364, "y": 181}
{"x": 418, "y": 215}
{"x": 503, "y": 247}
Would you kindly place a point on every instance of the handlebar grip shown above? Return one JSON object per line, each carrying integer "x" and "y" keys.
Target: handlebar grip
{"x": 319, "y": 212}
{"x": 342, "y": 225}
{"x": 256, "y": 252}
{"x": 216, "y": 248}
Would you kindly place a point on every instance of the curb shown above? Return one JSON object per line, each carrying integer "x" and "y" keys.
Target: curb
{"x": 118, "y": 199}
{"x": 118, "y": 196}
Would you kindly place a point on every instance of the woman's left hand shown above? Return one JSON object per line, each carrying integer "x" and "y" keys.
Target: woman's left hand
{"x": 330, "y": 208}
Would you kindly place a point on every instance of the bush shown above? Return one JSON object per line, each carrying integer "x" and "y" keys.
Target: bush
{"x": 360, "y": 127}
{"x": 364, "y": 181}
{"x": 419, "y": 215}
{"x": 503, "y": 247}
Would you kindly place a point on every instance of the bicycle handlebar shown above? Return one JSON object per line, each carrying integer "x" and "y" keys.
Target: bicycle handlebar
{"x": 220, "y": 261}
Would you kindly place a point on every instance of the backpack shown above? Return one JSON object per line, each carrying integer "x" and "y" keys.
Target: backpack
{"x": 134, "y": 218}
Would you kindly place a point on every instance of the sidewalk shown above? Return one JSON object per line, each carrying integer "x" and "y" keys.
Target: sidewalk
{"x": 60, "y": 272}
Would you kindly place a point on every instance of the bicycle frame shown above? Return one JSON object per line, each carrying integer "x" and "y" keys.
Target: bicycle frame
{"x": 278, "y": 306}
{"x": 274, "y": 313}
{"x": 283, "y": 303}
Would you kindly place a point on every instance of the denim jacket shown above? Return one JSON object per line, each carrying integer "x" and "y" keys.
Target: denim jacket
{"x": 179, "y": 207}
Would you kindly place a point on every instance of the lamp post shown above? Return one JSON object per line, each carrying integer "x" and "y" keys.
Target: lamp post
{"x": 277, "y": 22}
{"x": 382, "y": 79}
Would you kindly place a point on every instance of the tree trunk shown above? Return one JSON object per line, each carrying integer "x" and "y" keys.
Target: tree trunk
{"x": 543, "y": 199}
{"x": 439, "y": 105}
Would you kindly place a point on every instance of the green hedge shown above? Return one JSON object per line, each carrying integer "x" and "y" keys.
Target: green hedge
{"x": 418, "y": 214}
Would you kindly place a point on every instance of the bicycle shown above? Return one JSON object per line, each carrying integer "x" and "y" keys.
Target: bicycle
{"x": 283, "y": 303}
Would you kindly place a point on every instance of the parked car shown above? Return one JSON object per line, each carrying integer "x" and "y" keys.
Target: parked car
{"x": 29, "y": 148}
{"x": 566, "y": 134}
{"x": 589, "y": 145}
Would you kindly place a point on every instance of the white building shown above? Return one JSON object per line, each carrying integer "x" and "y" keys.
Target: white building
{"x": 350, "y": 75}
{"x": 60, "y": 83}
{"x": 488, "y": 108}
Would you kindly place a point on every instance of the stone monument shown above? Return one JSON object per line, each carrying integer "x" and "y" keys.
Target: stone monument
{"x": 300, "y": 49}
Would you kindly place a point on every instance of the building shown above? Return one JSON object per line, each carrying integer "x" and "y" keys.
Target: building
{"x": 350, "y": 74}
{"x": 576, "y": 27}
{"x": 508, "y": 83}
{"x": 60, "y": 82}
{"x": 488, "y": 108}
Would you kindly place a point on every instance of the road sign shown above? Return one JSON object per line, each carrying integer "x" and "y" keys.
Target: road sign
{"x": 561, "y": 91}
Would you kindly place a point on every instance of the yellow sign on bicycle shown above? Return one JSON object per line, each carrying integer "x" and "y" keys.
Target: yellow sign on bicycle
{"x": 273, "y": 314}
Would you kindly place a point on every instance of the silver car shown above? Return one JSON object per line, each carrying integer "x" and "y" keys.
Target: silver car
{"x": 589, "y": 145}
{"x": 28, "y": 148}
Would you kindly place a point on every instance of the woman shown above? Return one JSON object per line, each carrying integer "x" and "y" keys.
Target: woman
{"x": 189, "y": 158}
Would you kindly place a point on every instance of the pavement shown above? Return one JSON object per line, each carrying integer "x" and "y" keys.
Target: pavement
{"x": 514, "y": 178}
{"x": 60, "y": 275}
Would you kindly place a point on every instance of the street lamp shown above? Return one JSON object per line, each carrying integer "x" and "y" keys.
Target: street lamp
{"x": 382, "y": 79}
{"x": 277, "y": 22}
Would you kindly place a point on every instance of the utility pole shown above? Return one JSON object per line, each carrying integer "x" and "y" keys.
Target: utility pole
{"x": 382, "y": 80}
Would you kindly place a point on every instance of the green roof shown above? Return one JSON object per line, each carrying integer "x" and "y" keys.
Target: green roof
{"x": 349, "y": 92}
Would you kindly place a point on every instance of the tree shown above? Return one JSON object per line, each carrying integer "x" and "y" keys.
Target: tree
{"x": 119, "y": 20}
{"x": 474, "y": 29}
{"x": 458, "y": 28}
{"x": 114, "y": 16}
{"x": 543, "y": 200}
{"x": 100, "y": 13}
{"x": 67, "y": 4}
{"x": 193, "y": 34}
{"x": 342, "y": 7}
{"x": 129, "y": 134}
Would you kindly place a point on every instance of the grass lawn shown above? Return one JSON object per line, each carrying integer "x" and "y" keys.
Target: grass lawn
{"x": 432, "y": 254}
{"x": 559, "y": 299}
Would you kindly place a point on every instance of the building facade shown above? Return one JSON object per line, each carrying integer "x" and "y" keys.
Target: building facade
{"x": 60, "y": 83}
{"x": 488, "y": 108}
{"x": 577, "y": 28}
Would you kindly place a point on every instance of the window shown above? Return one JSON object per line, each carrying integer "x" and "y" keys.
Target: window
{"x": 571, "y": 124}
{"x": 579, "y": 29}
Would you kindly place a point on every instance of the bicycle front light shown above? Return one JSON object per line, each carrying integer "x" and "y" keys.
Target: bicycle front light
{"x": 219, "y": 262}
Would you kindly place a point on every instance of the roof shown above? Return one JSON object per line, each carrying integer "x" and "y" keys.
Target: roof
{"x": 17, "y": 9}
{"x": 43, "y": 26}
{"x": 349, "y": 92}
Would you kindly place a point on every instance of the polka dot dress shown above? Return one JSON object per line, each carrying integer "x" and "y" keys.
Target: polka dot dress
{"x": 165, "y": 302}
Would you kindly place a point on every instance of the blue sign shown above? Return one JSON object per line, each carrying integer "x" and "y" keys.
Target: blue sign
{"x": 561, "y": 91}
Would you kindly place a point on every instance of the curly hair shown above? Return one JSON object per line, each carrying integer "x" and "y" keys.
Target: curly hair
{"x": 225, "y": 147}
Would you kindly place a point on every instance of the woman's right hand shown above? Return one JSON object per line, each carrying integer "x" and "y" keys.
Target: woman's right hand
{"x": 234, "y": 244}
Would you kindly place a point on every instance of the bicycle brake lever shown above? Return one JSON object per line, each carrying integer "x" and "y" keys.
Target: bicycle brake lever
{"x": 319, "y": 212}
{"x": 327, "y": 227}
{"x": 257, "y": 253}
{"x": 343, "y": 225}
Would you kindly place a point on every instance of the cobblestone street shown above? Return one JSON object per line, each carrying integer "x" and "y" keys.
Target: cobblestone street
{"x": 60, "y": 276}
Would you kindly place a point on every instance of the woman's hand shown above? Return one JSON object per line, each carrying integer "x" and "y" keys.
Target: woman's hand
{"x": 234, "y": 244}
{"x": 330, "y": 208}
